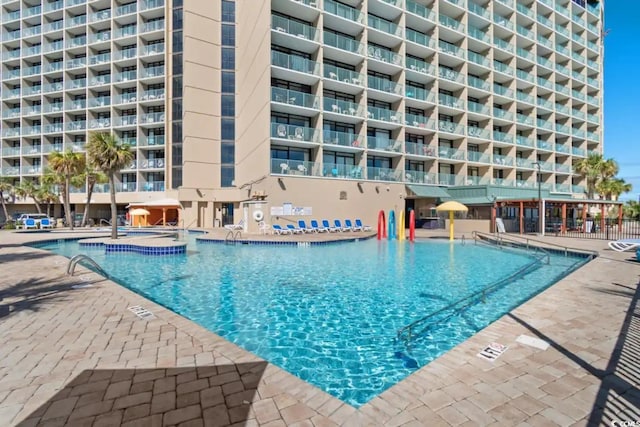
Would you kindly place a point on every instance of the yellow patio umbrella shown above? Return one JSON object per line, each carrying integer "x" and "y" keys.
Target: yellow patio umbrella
{"x": 451, "y": 206}
{"x": 139, "y": 212}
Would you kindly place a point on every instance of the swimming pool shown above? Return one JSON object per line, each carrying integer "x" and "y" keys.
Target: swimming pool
{"x": 330, "y": 314}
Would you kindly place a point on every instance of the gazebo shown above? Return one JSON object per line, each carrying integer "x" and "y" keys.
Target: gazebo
{"x": 161, "y": 212}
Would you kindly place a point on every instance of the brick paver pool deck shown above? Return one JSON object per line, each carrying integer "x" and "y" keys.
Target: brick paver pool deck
{"x": 71, "y": 353}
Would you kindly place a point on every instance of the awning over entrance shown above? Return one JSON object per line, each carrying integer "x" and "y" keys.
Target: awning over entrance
{"x": 430, "y": 191}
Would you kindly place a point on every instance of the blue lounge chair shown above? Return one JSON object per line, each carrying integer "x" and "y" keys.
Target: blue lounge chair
{"x": 318, "y": 229}
{"x": 45, "y": 223}
{"x": 277, "y": 229}
{"x": 337, "y": 224}
{"x": 325, "y": 224}
{"x": 349, "y": 224}
{"x": 294, "y": 229}
{"x": 302, "y": 225}
{"x": 362, "y": 227}
{"x": 30, "y": 223}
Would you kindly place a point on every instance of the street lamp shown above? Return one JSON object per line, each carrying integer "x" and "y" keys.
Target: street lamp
{"x": 537, "y": 164}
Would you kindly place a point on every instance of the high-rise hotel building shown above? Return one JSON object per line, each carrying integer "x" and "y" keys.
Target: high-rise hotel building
{"x": 307, "y": 107}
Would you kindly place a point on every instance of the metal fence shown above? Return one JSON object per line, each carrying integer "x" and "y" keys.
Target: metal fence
{"x": 592, "y": 228}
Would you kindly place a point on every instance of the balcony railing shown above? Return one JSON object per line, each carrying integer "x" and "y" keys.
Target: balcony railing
{"x": 296, "y": 63}
{"x": 343, "y": 43}
{"x": 339, "y": 106}
{"x": 294, "y": 133}
{"x": 294, "y": 28}
{"x": 383, "y": 174}
{"x": 294, "y": 167}
{"x": 342, "y": 10}
{"x": 382, "y": 114}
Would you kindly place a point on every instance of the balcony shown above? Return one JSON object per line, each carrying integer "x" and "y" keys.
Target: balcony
{"x": 478, "y": 157}
{"x": 419, "y": 10}
{"x": 152, "y": 49}
{"x": 450, "y": 127}
{"x": 501, "y": 160}
{"x": 101, "y": 15}
{"x": 502, "y": 114}
{"x": 544, "y": 145}
{"x": 101, "y": 101}
{"x": 296, "y": 134}
{"x": 524, "y": 141}
{"x": 419, "y": 121}
{"x": 151, "y": 164}
{"x": 152, "y": 26}
{"x": 418, "y": 149}
{"x": 151, "y": 72}
{"x": 296, "y": 29}
{"x": 343, "y": 43}
{"x": 450, "y": 179}
{"x": 502, "y": 137}
{"x": 383, "y": 174}
{"x": 476, "y": 107}
{"x": 450, "y": 75}
{"x": 343, "y": 11}
{"x": 381, "y": 114}
{"x": 419, "y": 38}
{"x": 149, "y": 118}
{"x": 99, "y": 123}
{"x": 450, "y": 49}
{"x": 296, "y": 63}
{"x": 11, "y": 151}
{"x": 342, "y": 139}
{"x": 579, "y": 152}
{"x": 79, "y": 125}
{"x": 478, "y": 83}
{"x": 524, "y": 163}
{"x": 419, "y": 66}
{"x": 294, "y": 98}
{"x": 384, "y": 26}
{"x": 478, "y": 34}
{"x": 384, "y": 85}
{"x": 450, "y": 101}
{"x": 479, "y": 59}
{"x": 420, "y": 177}
{"x": 294, "y": 167}
{"x": 384, "y": 144}
{"x": 562, "y": 168}
{"x": 331, "y": 170}
{"x": 448, "y": 22}
{"x": 502, "y": 68}
{"x": 477, "y": 132}
{"x": 153, "y": 186}
{"x": 125, "y": 121}
{"x": 479, "y": 10}
{"x": 420, "y": 94}
{"x": 128, "y": 31}
{"x": 524, "y": 119}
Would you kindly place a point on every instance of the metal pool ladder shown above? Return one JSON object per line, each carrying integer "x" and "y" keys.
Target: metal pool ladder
{"x": 80, "y": 257}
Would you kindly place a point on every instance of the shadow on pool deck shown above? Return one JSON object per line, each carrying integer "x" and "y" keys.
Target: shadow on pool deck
{"x": 33, "y": 294}
{"x": 109, "y": 397}
{"x": 618, "y": 396}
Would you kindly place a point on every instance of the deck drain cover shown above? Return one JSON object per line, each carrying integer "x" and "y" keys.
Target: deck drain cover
{"x": 142, "y": 312}
{"x": 492, "y": 351}
{"x": 533, "y": 342}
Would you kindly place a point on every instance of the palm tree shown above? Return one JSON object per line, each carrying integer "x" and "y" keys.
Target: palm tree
{"x": 632, "y": 209}
{"x": 106, "y": 154}
{"x": 91, "y": 177}
{"x": 6, "y": 187}
{"x": 28, "y": 189}
{"x": 67, "y": 165}
{"x": 591, "y": 168}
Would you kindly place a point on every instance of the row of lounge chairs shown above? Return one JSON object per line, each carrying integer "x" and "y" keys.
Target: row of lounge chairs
{"x": 326, "y": 227}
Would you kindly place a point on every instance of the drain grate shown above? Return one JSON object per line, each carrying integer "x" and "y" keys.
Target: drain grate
{"x": 142, "y": 312}
{"x": 492, "y": 351}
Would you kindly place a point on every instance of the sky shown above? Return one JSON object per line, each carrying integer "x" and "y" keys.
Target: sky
{"x": 622, "y": 90}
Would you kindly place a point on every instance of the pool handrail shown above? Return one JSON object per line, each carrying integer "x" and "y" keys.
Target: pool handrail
{"x": 71, "y": 267}
{"x": 406, "y": 330}
{"x": 514, "y": 239}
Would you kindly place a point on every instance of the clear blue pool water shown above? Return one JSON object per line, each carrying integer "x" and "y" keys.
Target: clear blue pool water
{"x": 330, "y": 314}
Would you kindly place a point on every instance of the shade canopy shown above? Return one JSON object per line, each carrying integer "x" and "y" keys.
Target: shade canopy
{"x": 138, "y": 212}
{"x": 451, "y": 205}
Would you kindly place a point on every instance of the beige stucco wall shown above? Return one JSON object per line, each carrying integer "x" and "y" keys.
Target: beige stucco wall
{"x": 253, "y": 82}
{"x": 467, "y": 226}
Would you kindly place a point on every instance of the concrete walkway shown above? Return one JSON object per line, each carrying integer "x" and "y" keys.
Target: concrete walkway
{"x": 72, "y": 354}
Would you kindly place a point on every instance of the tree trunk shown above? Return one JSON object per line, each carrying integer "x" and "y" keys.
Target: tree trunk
{"x": 114, "y": 207}
{"x": 35, "y": 202}
{"x": 67, "y": 204}
{"x": 90, "y": 184}
{"x": 4, "y": 207}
